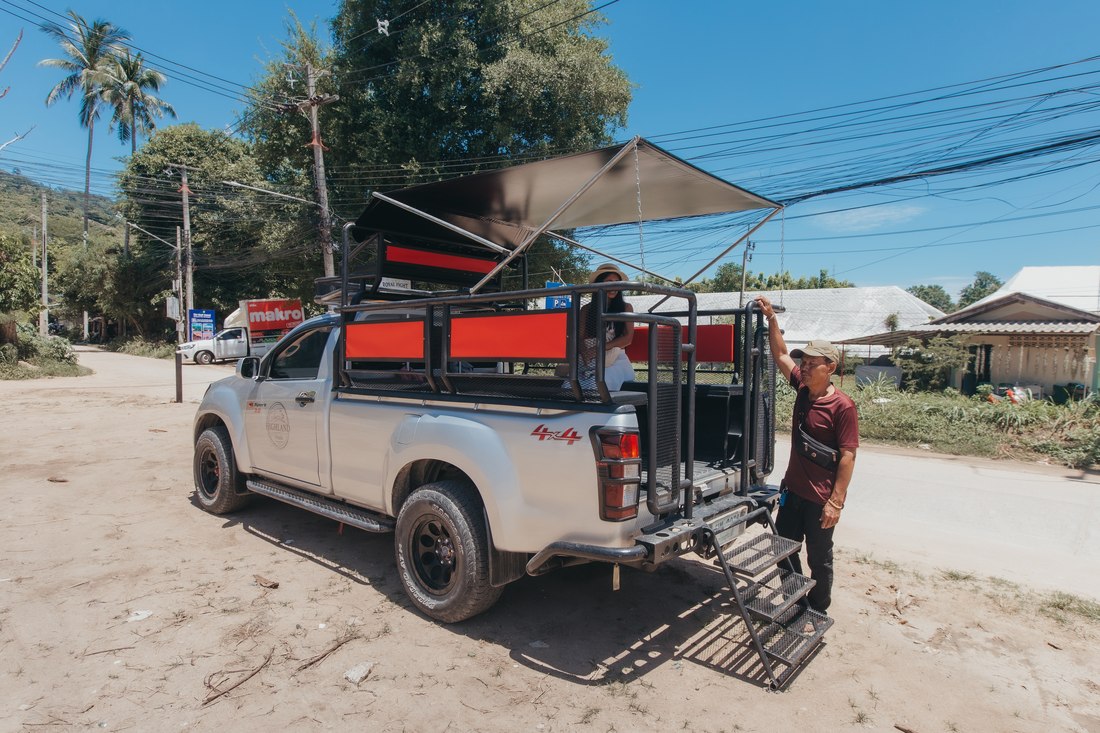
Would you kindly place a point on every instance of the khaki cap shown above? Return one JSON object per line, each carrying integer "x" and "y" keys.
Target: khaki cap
{"x": 818, "y": 347}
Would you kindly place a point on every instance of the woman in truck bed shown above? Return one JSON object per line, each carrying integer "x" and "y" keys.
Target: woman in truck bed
{"x": 617, "y": 367}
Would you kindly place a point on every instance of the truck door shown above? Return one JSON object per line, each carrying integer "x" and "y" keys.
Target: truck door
{"x": 284, "y": 418}
{"x": 231, "y": 344}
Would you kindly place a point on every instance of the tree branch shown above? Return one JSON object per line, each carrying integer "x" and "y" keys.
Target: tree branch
{"x": 17, "y": 138}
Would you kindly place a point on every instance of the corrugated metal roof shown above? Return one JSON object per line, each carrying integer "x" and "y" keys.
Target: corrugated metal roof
{"x": 1079, "y": 328}
{"x": 1077, "y": 286}
{"x": 835, "y": 314}
{"x": 1012, "y": 327}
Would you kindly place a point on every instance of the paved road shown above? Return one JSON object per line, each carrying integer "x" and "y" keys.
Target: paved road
{"x": 1034, "y": 525}
{"x": 1030, "y": 524}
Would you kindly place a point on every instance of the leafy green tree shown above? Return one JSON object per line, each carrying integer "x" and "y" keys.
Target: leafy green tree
{"x": 985, "y": 283}
{"x": 927, "y": 365}
{"x": 244, "y": 245}
{"x": 18, "y": 285}
{"x": 128, "y": 87}
{"x": 469, "y": 79}
{"x": 933, "y": 295}
{"x": 454, "y": 87}
{"x": 88, "y": 49}
{"x": 18, "y": 276}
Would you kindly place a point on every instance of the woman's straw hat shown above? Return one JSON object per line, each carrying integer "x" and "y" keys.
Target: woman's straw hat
{"x": 606, "y": 269}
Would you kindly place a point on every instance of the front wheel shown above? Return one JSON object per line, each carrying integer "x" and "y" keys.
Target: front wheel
{"x": 204, "y": 357}
{"x": 218, "y": 486}
{"x": 442, "y": 552}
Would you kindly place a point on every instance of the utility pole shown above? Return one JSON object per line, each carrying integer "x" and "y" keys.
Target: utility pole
{"x": 311, "y": 104}
{"x": 746, "y": 258}
{"x": 34, "y": 246}
{"x": 188, "y": 262}
{"x": 182, "y": 320}
{"x": 44, "y": 314}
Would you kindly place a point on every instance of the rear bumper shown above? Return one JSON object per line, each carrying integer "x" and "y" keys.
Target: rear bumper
{"x": 669, "y": 539}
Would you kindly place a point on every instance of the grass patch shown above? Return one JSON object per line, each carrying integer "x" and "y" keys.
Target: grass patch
{"x": 42, "y": 369}
{"x": 947, "y": 422}
{"x": 136, "y": 346}
{"x": 956, "y": 576}
{"x": 1063, "y": 606}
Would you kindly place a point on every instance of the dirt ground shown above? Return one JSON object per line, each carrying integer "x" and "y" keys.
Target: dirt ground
{"x": 123, "y": 606}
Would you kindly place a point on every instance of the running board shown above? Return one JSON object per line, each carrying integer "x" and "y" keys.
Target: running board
{"x": 330, "y": 508}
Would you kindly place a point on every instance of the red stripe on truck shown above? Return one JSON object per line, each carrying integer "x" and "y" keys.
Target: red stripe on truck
{"x": 408, "y": 256}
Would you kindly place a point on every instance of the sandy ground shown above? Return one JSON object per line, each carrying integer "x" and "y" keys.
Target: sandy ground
{"x": 125, "y": 607}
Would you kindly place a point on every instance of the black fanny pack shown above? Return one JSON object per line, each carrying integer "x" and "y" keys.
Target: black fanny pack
{"x": 814, "y": 450}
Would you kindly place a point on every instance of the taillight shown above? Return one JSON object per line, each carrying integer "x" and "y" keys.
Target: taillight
{"x": 618, "y": 468}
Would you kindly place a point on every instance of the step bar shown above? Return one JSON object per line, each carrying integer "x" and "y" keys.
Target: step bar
{"x": 329, "y": 508}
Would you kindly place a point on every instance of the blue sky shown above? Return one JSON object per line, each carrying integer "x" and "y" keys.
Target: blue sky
{"x": 708, "y": 64}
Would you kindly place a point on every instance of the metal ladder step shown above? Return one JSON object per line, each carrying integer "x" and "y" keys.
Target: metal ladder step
{"x": 759, "y": 554}
{"x": 787, "y": 641}
{"x": 337, "y": 510}
{"x": 770, "y": 597}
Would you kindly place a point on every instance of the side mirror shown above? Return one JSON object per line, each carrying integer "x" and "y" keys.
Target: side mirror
{"x": 248, "y": 367}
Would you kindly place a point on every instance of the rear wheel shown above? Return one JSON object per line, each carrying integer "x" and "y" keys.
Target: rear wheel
{"x": 204, "y": 357}
{"x": 218, "y": 486}
{"x": 442, "y": 552}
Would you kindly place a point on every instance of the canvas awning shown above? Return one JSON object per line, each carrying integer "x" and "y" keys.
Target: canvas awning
{"x": 506, "y": 206}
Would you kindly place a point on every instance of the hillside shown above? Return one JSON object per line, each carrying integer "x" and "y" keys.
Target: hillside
{"x": 21, "y": 209}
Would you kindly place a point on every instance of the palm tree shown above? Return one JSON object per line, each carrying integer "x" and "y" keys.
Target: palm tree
{"x": 128, "y": 86}
{"x": 88, "y": 47}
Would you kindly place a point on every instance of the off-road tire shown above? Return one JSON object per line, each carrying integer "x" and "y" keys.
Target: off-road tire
{"x": 442, "y": 550}
{"x": 204, "y": 357}
{"x": 218, "y": 486}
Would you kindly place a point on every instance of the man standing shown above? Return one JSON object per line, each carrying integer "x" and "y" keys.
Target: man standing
{"x": 824, "y": 439}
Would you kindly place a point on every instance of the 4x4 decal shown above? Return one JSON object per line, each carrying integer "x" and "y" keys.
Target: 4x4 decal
{"x": 569, "y": 435}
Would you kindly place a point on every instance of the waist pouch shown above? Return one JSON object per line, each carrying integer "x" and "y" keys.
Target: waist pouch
{"x": 814, "y": 450}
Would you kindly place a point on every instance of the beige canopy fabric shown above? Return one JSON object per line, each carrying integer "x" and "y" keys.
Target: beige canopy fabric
{"x": 504, "y": 206}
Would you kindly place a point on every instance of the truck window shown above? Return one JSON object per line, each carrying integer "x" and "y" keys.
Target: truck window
{"x": 301, "y": 358}
{"x": 232, "y": 335}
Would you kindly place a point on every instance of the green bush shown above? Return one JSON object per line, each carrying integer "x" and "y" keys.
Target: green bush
{"x": 137, "y": 346}
{"x": 35, "y": 348}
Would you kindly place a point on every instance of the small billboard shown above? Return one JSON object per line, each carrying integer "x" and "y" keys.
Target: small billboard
{"x": 200, "y": 324}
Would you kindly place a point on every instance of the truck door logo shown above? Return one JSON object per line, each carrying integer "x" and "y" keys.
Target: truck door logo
{"x": 569, "y": 435}
{"x": 278, "y": 425}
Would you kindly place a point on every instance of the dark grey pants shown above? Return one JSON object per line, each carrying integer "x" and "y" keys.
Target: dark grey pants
{"x": 800, "y": 520}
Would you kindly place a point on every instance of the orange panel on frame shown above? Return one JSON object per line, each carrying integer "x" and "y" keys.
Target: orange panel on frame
{"x": 535, "y": 336}
{"x": 395, "y": 340}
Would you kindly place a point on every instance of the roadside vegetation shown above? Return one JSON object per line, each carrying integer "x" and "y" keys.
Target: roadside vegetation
{"x": 137, "y": 346}
{"x": 947, "y": 422}
{"x": 34, "y": 356}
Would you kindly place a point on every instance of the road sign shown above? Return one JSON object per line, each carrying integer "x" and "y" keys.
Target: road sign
{"x": 557, "y": 301}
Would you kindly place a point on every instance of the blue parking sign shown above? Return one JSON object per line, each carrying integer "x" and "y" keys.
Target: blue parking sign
{"x": 557, "y": 301}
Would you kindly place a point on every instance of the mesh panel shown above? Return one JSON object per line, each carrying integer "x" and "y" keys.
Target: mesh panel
{"x": 667, "y": 406}
{"x": 765, "y": 414}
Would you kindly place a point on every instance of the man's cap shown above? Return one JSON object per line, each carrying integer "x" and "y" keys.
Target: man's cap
{"x": 606, "y": 269}
{"x": 818, "y": 347}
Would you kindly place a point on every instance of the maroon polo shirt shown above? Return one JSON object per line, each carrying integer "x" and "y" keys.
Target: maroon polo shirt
{"x": 834, "y": 421}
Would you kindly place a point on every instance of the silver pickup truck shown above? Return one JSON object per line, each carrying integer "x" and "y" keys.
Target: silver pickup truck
{"x": 476, "y": 425}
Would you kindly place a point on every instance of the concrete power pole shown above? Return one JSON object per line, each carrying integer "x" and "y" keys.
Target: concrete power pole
{"x": 44, "y": 314}
{"x": 188, "y": 262}
{"x": 181, "y": 323}
{"x": 311, "y": 104}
